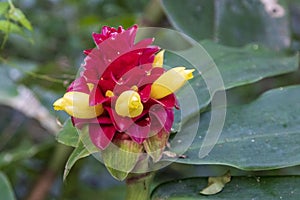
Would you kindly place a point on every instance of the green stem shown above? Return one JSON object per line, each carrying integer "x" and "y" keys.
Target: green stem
{"x": 138, "y": 186}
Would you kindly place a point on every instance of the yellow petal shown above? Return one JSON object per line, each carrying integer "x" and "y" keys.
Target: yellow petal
{"x": 77, "y": 105}
{"x": 129, "y": 104}
{"x": 170, "y": 81}
{"x": 159, "y": 59}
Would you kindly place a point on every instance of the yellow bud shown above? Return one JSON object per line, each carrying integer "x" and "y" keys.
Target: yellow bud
{"x": 170, "y": 82}
{"x": 129, "y": 104}
{"x": 77, "y": 105}
{"x": 159, "y": 59}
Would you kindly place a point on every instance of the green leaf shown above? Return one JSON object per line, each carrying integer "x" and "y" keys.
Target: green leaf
{"x": 3, "y": 7}
{"x": 232, "y": 19}
{"x": 68, "y": 135}
{"x": 262, "y": 135}
{"x": 228, "y": 22}
{"x": 155, "y": 145}
{"x": 267, "y": 188}
{"x": 121, "y": 157}
{"x": 240, "y": 66}
{"x": 237, "y": 66}
{"x": 84, "y": 148}
{"x": 8, "y": 27}
{"x": 193, "y": 17}
{"x": 79, "y": 152}
{"x": 6, "y": 190}
{"x": 18, "y": 16}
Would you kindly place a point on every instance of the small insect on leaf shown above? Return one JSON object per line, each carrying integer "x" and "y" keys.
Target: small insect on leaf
{"x": 216, "y": 184}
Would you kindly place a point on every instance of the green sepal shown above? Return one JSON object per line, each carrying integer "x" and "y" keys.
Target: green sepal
{"x": 156, "y": 144}
{"x": 121, "y": 156}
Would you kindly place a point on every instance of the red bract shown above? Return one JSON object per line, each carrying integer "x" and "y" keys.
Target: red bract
{"x": 117, "y": 65}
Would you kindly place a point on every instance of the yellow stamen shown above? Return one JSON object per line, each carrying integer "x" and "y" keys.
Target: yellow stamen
{"x": 129, "y": 104}
{"x": 91, "y": 86}
{"x": 135, "y": 88}
{"x": 170, "y": 82}
{"x": 109, "y": 93}
{"x": 159, "y": 59}
{"x": 77, "y": 105}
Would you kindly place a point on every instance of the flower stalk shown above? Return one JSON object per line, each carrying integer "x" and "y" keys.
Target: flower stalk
{"x": 138, "y": 186}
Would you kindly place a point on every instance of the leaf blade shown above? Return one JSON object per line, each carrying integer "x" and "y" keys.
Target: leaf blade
{"x": 68, "y": 135}
{"x": 258, "y": 136}
{"x": 267, "y": 188}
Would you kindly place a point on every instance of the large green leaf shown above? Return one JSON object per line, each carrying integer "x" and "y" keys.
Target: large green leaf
{"x": 237, "y": 66}
{"x": 231, "y": 22}
{"x": 6, "y": 190}
{"x": 193, "y": 17}
{"x": 240, "y": 66}
{"x": 264, "y": 134}
{"x": 267, "y": 188}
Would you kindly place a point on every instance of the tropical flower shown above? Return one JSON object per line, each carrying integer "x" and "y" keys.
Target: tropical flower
{"x": 123, "y": 92}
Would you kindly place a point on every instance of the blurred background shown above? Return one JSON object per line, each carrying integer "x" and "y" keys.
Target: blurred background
{"x": 36, "y": 67}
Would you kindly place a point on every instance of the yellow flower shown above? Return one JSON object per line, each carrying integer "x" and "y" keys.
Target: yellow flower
{"x": 77, "y": 105}
{"x": 129, "y": 104}
{"x": 170, "y": 82}
{"x": 159, "y": 59}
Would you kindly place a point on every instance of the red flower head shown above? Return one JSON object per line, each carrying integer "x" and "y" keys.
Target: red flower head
{"x": 123, "y": 93}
